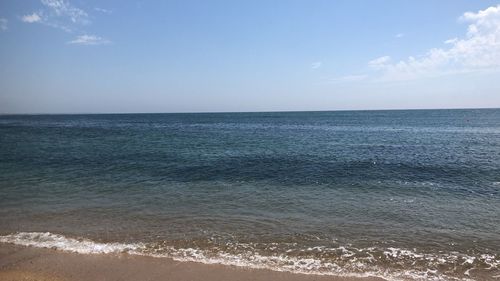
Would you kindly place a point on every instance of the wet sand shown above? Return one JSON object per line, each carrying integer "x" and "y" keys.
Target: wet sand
{"x": 19, "y": 263}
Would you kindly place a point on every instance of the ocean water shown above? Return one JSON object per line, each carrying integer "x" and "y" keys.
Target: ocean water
{"x": 405, "y": 195}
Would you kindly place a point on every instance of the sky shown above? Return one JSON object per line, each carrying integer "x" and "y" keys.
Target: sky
{"x": 73, "y": 56}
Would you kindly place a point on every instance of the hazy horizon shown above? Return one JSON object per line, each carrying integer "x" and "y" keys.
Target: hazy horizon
{"x": 263, "y": 111}
{"x": 96, "y": 57}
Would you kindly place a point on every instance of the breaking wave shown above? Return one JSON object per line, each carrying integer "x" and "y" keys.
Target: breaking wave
{"x": 389, "y": 263}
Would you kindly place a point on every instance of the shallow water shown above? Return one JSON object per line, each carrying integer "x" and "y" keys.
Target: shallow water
{"x": 400, "y": 194}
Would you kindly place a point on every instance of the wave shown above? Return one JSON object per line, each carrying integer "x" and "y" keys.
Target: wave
{"x": 60, "y": 242}
{"x": 349, "y": 262}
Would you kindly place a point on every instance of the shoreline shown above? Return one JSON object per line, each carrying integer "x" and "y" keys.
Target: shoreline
{"x": 29, "y": 263}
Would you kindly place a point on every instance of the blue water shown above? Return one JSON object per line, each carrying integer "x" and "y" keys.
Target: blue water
{"x": 411, "y": 194}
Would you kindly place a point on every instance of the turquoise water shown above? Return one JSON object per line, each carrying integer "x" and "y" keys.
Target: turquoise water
{"x": 406, "y": 195}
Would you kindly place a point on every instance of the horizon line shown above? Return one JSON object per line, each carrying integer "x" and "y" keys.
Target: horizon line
{"x": 263, "y": 111}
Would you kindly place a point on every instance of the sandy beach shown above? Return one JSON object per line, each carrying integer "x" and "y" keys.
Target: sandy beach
{"x": 26, "y": 263}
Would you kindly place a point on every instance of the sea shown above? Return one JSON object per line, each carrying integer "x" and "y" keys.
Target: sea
{"x": 399, "y": 194}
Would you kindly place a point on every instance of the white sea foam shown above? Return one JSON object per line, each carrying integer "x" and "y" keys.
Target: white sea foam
{"x": 356, "y": 266}
{"x": 60, "y": 242}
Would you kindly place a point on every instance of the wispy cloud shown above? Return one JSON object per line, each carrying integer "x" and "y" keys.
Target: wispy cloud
{"x": 316, "y": 65}
{"x": 64, "y": 9}
{"x": 102, "y": 10}
{"x": 58, "y": 14}
{"x": 89, "y": 40}
{"x": 63, "y": 15}
{"x": 380, "y": 62}
{"x": 3, "y": 24}
{"x": 478, "y": 50}
{"x": 399, "y": 35}
{"x": 31, "y": 18}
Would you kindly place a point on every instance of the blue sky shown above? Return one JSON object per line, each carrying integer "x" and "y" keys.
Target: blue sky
{"x": 76, "y": 56}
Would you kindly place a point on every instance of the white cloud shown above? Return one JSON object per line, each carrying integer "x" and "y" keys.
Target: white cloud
{"x": 3, "y": 24}
{"x": 400, "y": 35}
{"x": 58, "y": 14}
{"x": 380, "y": 62}
{"x": 63, "y": 15}
{"x": 106, "y": 11}
{"x": 316, "y": 65}
{"x": 478, "y": 50}
{"x": 451, "y": 41}
{"x": 64, "y": 9}
{"x": 89, "y": 40}
{"x": 31, "y": 18}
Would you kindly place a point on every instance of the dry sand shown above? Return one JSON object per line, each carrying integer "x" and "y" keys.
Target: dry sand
{"x": 19, "y": 263}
